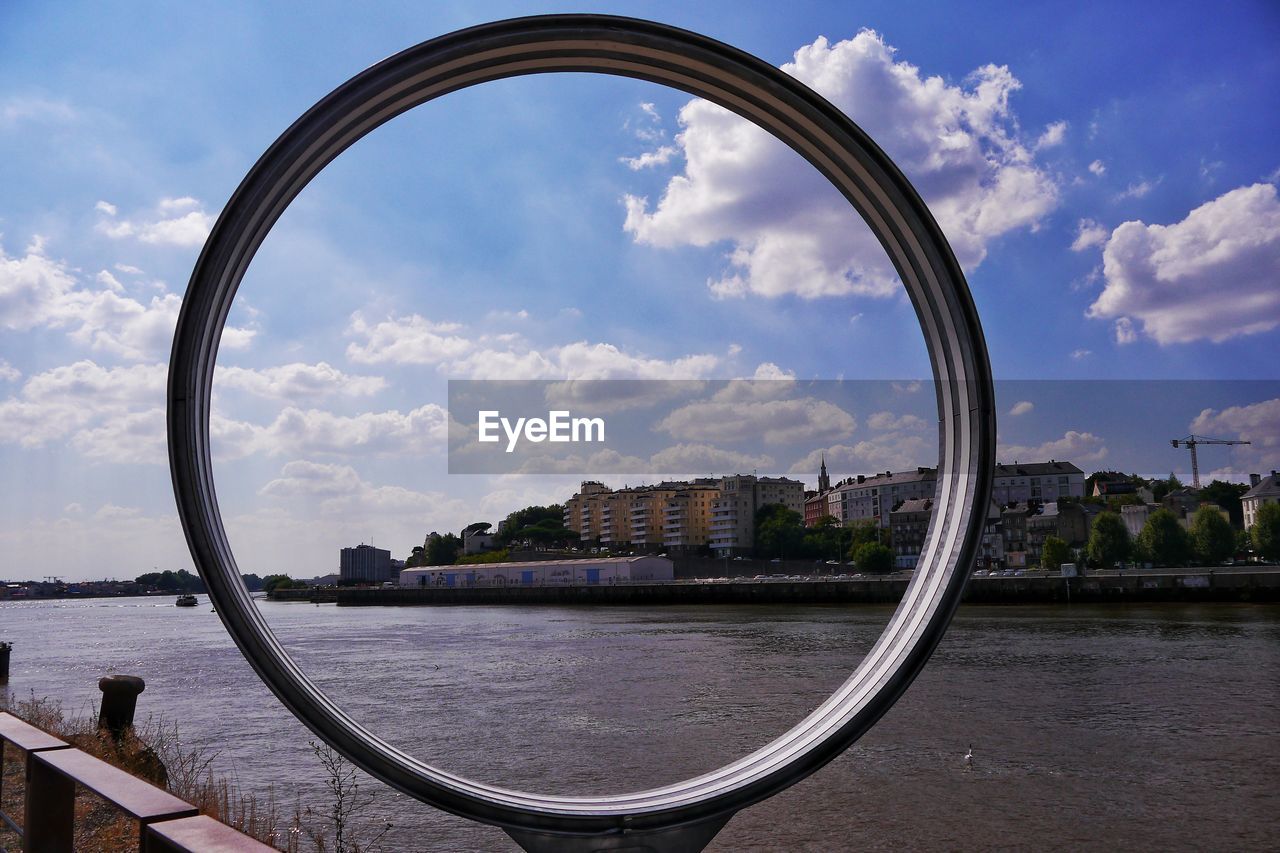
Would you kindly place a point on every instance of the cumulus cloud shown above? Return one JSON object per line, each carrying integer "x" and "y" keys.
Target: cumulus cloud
{"x": 1097, "y": 168}
{"x": 1138, "y": 190}
{"x": 37, "y": 291}
{"x": 296, "y": 381}
{"x": 459, "y": 353}
{"x": 1074, "y": 446}
{"x": 888, "y": 452}
{"x": 1211, "y": 276}
{"x": 1089, "y": 234}
{"x": 1053, "y": 135}
{"x": 57, "y": 403}
{"x": 1021, "y": 407}
{"x": 882, "y": 421}
{"x": 1258, "y": 423}
{"x": 771, "y": 421}
{"x": 706, "y": 459}
{"x": 792, "y": 233}
{"x": 338, "y": 492}
{"x": 658, "y": 157}
{"x": 116, "y": 414}
{"x": 174, "y": 222}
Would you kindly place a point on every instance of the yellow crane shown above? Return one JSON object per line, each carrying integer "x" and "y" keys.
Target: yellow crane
{"x": 1191, "y": 442}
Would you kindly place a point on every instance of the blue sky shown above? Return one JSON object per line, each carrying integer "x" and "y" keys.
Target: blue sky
{"x": 1107, "y": 175}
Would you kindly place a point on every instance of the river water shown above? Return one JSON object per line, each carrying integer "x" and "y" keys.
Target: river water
{"x": 1138, "y": 728}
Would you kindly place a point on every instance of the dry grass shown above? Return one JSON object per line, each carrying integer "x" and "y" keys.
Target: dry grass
{"x": 154, "y": 751}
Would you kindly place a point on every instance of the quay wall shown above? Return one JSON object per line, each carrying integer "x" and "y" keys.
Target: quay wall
{"x": 1126, "y": 587}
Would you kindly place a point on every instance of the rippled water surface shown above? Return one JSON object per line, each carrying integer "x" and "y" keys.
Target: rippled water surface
{"x": 1153, "y": 727}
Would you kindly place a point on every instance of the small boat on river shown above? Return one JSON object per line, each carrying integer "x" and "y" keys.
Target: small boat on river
{"x": 186, "y": 601}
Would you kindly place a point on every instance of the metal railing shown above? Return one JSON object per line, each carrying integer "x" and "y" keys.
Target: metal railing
{"x": 54, "y": 769}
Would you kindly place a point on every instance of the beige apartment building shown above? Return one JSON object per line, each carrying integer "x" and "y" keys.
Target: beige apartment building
{"x": 678, "y": 516}
{"x": 733, "y": 514}
{"x": 686, "y": 524}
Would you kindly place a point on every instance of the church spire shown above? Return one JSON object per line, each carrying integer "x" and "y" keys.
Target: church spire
{"x": 824, "y": 482}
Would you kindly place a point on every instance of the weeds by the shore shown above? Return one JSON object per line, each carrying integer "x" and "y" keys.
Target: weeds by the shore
{"x": 155, "y": 752}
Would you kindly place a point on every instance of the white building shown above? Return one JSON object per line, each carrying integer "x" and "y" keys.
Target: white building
{"x": 1264, "y": 491}
{"x": 864, "y": 499}
{"x": 590, "y": 572}
{"x": 1037, "y": 481}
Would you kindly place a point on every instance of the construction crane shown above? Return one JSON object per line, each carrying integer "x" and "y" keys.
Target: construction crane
{"x": 1191, "y": 442}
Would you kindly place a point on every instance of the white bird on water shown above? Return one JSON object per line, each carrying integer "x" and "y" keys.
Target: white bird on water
{"x": 968, "y": 758}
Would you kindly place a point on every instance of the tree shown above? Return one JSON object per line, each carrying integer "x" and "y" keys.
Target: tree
{"x": 272, "y": 582}
{"x": 862, "y": 533}
{"x": 1054, "y": 553}
{"x": 1227, "y": 496}
{"x": 476, "y": 527}
{"x": 824, "y": 539}
{"x": 1266, "y": 532}
{"x": 1212, "y": 537}
{"x": 442, "y": 550}
{"x": 873, "y": 557}
{"x": 1108, "y": 541}
{"x": 528, "y": 517}
{"x": 1160, "y": 488}
{"x": 779, "y": 531}
{"x": 1163, "y": 541}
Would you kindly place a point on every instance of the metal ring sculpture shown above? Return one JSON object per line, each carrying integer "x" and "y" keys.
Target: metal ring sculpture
{"x": 687, "y": 813}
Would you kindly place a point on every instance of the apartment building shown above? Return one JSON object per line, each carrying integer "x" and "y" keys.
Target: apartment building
{"x": 687, "y": 517}
{"x": 873, "y": 498}
{"x": 733, "y": 513}
{"x": 1037, "y": 481}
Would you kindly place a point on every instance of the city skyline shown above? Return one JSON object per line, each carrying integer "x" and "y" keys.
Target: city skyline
{"x": 1116, "y": 217}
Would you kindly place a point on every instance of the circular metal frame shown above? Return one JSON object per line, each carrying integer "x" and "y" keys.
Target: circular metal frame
{"x": 798, "y": 117}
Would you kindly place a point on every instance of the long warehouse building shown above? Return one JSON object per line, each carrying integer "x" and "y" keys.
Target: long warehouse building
{"x": 588, "y": 572}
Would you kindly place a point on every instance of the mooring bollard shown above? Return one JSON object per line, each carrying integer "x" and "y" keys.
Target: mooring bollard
{"x": 119, "y": 699}
{"x": 4, "y": 662}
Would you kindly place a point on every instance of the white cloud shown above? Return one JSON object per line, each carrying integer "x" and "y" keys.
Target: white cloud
{"x": 771, "y": 421}
{"x": 301, "y": 432}
{"x": 705, "y": 460}
{"x": 769, "y": 370}
{"x": 792, "y": 233}
{"x": 296, "y": 381}
{"x": 1089, "y": 233}
{"x": 20, "y": 109}
{"x": 32, "y": 289}
{"x": 9, "y": 373}
{"x": 1125, "y": 333}
{"x": 1081, "y": 354}
{"x": 1138, "y": 190}
{"x": 1021, "y": 407}
{"x": 175, "y": 222}
{"x": 458, "y": 353}
{"x": 882, "y": 421}
{"x": 658, "y": 157}
{"x": 888, "y": 452}
{"x": 1211, "y": 276}
{"x": 59, "y": 402}
{"x": 1072, "y": 447}
{"x": 39, "y": 292}
{"x": 1258, "y": 423}
{"x": 1053, "y": 135}
{"x": 1097, "y": 168}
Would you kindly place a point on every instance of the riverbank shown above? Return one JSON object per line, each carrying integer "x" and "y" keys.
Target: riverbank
{"x": 1224, "y": 585}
